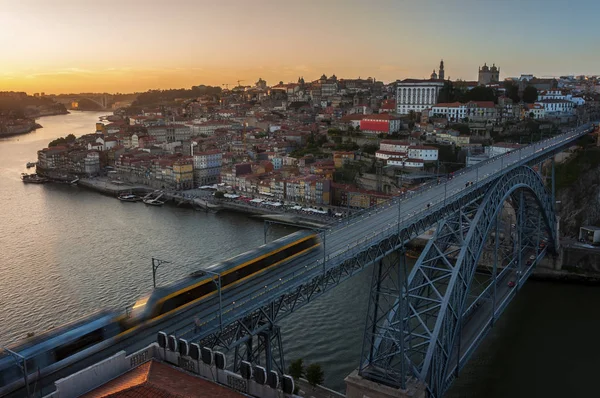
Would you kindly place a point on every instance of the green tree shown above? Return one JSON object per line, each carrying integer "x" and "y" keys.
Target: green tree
{"x": 296, "y": 369}
{"x": 512, "y": 91}
{"x": 315, "y": 374}
{"x": 530, "y": 94}
{"x": 462, "y": 128}
{"x": 370, "y": 148}
{"x": 481, "y": 93}
{"x": 447, "y": 93}
{"x": 531, "y": 115}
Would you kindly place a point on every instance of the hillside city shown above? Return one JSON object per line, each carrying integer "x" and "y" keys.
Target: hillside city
{"x": 328, "y": 142}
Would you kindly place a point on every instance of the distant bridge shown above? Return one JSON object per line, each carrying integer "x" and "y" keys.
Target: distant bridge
{"x": 104, "y": 101}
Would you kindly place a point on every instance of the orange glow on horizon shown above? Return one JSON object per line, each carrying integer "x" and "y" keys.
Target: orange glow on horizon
{"x": 66, "y": 46}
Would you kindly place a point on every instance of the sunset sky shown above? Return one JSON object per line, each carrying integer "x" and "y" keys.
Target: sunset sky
{"x": 59, "y": 46}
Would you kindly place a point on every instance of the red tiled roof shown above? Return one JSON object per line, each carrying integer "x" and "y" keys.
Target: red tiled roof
{"x": 448, "y": 104}
{"x": 155, "y": 379}
{"x": 380, "y": 116}
{"x": 423, "y": 147}
{"x": 395, "y": 142}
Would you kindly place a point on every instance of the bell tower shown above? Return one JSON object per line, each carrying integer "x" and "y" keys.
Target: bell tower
{"x": 441, "y": 74}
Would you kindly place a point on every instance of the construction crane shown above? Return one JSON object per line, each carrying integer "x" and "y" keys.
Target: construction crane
{"x": 239, "y": 82}
{"x": 226, "y": 85}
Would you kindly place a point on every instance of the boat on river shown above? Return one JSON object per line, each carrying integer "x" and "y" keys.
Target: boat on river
{"x": 128, "y": 197}
{"x": 154, "y": 202}
{"x": 149, "y": 200}
{"x": 33, "y": 179}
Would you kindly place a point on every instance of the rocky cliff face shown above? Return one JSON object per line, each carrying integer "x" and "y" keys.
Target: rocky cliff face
{"x": 580, "y": 200}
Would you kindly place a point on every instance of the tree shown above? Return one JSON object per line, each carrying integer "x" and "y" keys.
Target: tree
{"x": 447, "y": 93}
{"x": 530, "y": 94}
{"x": 296, "y": 369}
{"x": 531, "y": 115}
{"x": 481, "y": 93}
{"x": 462, "y": 128}
{"x": 512, "y": 91}
{"x": 315, "y": 374}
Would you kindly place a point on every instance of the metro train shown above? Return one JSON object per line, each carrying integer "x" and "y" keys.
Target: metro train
{"x": 61, "y": 347}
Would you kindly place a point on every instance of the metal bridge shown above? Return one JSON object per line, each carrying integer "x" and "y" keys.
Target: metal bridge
{"x": 421, "y": 325}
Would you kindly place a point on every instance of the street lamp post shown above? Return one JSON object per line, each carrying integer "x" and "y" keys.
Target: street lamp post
{"x": 218, "y": 283}
{"x": 155, "y": 264}
{"x": 21, "y": 363}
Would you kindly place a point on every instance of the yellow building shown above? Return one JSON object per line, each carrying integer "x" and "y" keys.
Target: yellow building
{"x": 100, "y": 128}
{"x": 183, "y": 171}
{"x": 339, "y": 158}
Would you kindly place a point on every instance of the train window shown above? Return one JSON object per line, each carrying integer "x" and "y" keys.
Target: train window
{"x": 268, "y": 261}
{"x": 184, "y": 298}
{"x": 80, "y": 344}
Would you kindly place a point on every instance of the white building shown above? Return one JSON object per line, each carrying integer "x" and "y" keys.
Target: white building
{"x": 207, "y": 167}
{"x": 394, "y": 146}
{"x": 422, "y": 152}
{"x": 386, "y": 155}
{"x": 537, "y": 110}
{"x": 453, "y": 111}
{"x": 557, "y": 106}
{"x": 417, "y": 95}
{"x": 92, "y": 163}
{"x": 406, "y": 162}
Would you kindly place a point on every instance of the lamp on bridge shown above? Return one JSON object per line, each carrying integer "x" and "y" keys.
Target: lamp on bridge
{"x": 155, "y": 264}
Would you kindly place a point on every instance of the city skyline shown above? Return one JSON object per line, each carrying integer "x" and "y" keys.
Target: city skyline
{"x": 67, "y": 46}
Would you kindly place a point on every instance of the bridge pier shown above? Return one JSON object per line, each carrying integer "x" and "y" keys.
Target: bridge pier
{"x": 359, "y": 387}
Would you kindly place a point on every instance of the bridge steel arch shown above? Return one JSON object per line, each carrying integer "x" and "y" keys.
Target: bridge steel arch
{"x": 420, "y": 336}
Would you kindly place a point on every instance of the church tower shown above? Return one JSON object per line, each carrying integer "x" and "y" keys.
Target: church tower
{"x": 441, "y": 74}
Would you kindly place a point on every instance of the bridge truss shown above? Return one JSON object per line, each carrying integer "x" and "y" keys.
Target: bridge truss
{"x": 428, "y": 324}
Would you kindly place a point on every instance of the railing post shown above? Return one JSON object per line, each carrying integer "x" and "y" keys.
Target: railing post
{"x": 16, "y": 356}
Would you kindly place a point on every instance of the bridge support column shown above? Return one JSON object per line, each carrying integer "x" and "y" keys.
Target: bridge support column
{"x": 388, "y": 294}
{"x": 264, "y": 348}
{"x": 359, "y": 387}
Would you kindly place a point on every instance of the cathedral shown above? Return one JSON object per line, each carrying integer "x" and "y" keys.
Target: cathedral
{"x": 488, "y": 75}
{"x": 435, "y": 76}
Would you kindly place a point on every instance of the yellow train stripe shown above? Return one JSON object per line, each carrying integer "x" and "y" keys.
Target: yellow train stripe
{"x": 225, "y": 287}
{"x": 186, "y": 289}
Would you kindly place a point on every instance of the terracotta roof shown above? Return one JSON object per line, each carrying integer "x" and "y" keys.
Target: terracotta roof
{"x": 448, "y": 104}
{"x": 424, "y": 147}
{"x": 155, "y": 379}
{"x": 380, "y": 116}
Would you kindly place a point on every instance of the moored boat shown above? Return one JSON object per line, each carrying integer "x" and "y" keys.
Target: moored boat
{"x": 33, "y": 179}
{"x": 154, "y": 202}
{"x": 128, "y": 197}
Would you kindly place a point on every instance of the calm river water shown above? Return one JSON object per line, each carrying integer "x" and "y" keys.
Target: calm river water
{"x": 66, "y": 252}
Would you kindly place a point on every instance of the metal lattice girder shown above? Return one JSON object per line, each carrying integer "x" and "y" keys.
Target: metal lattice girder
{"x": 435, "y": 298}
{"x": 243, "y": 323}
